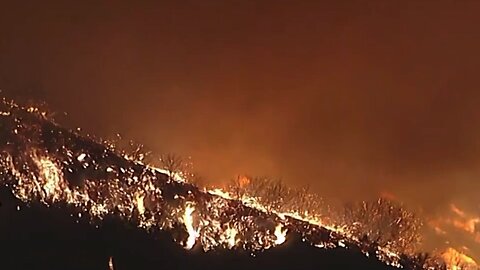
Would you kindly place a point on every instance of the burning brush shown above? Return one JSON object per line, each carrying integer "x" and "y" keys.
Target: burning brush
{"x": 43, "y": 162}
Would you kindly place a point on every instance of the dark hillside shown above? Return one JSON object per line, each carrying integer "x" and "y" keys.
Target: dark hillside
{"x": 69, "y": 202}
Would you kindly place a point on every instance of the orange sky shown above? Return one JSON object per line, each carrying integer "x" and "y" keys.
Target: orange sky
{"x": 354, "y": 99}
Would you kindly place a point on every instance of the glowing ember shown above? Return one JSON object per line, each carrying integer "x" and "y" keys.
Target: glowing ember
{"x": 81, "y": 157}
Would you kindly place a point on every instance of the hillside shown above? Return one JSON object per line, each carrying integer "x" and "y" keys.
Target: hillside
{"x": 70, "y": 202}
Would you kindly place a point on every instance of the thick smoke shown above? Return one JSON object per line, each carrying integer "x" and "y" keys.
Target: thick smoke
{"x": 354, "y": 100}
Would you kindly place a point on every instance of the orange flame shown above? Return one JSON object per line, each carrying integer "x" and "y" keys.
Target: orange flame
{"x": 456, "y": 260}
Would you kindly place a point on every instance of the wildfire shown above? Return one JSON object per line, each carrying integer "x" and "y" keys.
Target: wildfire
{"x": 456, "y": 223}
{"x": 46, "y": 170}
{"x": 456, "y": 260}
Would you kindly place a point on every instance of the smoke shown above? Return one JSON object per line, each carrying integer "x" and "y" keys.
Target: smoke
{"x": 354, "y": 100}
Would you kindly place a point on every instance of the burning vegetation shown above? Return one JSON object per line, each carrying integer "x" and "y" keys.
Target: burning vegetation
{"x": 42, "y": 162}
{"x": 385, "y": 224}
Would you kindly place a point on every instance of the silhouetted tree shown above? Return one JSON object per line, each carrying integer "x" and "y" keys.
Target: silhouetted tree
{"x": 134, "y": 151}
{"x": 384, "y": 223}
{"x": 306, "y": 203}
{"x": 173, "y": 164}
{"x": 270, "y": 193}
{"x": 274, "y": 195}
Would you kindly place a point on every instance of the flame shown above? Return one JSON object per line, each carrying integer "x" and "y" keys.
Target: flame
{"x": 460, "y": 220}
{"x": 139, "y": 202}
{"x": 388, "y": 195}
{"x": 244, "y": 181}
{"x": 456, "y": 260}
{"x": 188, "y": 221}
{"x": 457, "y": 222}
{"x": 220, "y": 193}
{"x": 281, "y": 234}
{"x": 465, "y": 222}
{"x": 50, "y": 178}
{"x": 468, "y": 225}
{"x": 121, "y": 185}
{"x": 457, "y": 210}
{"x": 104, "y": 198}
{"x": 230, "y": 237}
{"x": 110, "y": 264}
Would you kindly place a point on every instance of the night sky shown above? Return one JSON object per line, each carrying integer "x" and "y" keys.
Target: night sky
{"x": 355, "y": 99}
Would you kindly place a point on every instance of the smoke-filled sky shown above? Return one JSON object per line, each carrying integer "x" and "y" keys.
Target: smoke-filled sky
{"x": 353, "y": 98}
